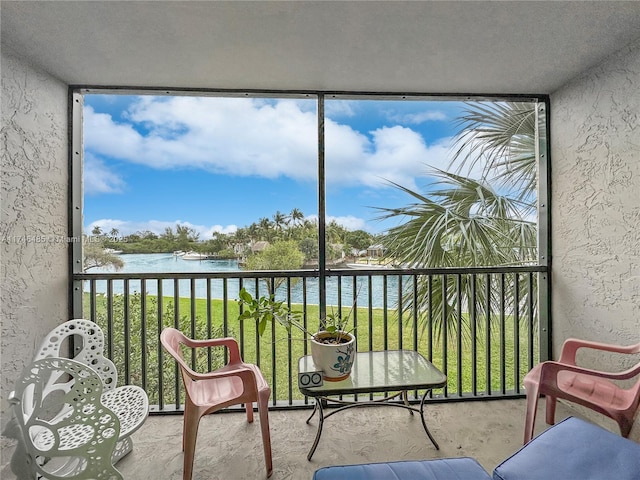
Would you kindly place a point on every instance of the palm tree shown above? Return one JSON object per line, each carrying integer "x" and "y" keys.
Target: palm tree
{"x": 265, "y": 227}
{"x": 466, "y": 222}
{"x": 279, "y": 220}
{"x": 296, "y": 216}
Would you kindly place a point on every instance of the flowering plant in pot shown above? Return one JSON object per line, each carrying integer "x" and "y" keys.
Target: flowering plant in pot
{"x": 332, "y": 348}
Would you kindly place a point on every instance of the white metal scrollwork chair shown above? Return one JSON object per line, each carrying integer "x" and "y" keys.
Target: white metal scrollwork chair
{"x": 130, "y": 403}
{"x": 63, "y": 428}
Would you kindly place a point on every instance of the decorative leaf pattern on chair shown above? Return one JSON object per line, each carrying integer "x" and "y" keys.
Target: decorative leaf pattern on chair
{"x": 66, "y": 430}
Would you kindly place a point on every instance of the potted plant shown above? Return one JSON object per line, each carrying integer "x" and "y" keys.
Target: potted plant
{"x": 332, "y": 348}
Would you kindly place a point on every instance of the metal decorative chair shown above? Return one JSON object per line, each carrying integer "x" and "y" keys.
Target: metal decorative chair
{"x": 234, "y": 384}
{"x": 63, "y": 428}
{"x": 129, "y": 402}
{"x": 591, "y": 388}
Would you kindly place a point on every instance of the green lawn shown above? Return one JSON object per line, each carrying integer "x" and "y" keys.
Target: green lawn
{"x": 277, "y": 353}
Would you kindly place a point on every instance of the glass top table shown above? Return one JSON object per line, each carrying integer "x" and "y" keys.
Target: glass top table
{"x": 373, "y": 372}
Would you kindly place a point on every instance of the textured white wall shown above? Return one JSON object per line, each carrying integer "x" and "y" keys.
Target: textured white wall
{"x": 595, "y": 158}
{"x": 34, "y": 289}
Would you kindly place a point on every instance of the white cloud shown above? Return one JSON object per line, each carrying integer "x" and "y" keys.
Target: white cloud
{"x": 419, "y": 117}
{"x": 126, "y": 227}
{"x": 248, "y": 137}
{"x": 349, "y": 222}
{"x": 99, "y": 179}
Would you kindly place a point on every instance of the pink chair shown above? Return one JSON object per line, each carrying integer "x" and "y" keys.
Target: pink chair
{"x": 235, "y": 383}
{"x": 590, "y": 388}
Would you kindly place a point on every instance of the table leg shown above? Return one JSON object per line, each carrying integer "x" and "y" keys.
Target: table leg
{"x": 320, "y": 423}
{"x": 424, "y": 424}
{"x": 405, "y": 398}
{"x": 315, "y": 407}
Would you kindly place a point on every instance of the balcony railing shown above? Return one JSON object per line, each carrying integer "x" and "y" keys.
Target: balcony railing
{"x": 487, "y": 334}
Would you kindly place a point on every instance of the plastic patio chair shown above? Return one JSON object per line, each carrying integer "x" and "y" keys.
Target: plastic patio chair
{"x": 129, "y": 402}
{"x": 77, "y": 444}
{"x": 590, "y": 388}
{"x": 235, "y": 383}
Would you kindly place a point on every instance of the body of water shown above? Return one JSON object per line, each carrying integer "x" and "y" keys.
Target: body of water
{"x": 168, "y": 263}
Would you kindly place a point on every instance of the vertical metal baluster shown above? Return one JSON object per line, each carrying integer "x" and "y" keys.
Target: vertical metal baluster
{"x": 503, "y": 338}
{"x": 516, "y": 333}
{"x": 354, "y": 306}
{"x": 339, "y": 299}
{"x": 160, "y": 349}
{"x": 194, "y": 333}
{"x": 256, "y": 334}
{"x": 176, "y": 324}
{"x": 400, "y": 307}
{"x": 430, "y": 315}
{"x": 93, "y": 301}
{"x": 385, "y": 311}
{"x": 110, "y": 342}
{"x": 143, "y": 331}
{"x": 474, "y": 337}
{"x": 488, "y": 333}
{"x": 289, "y": 351}
{"x": 459, "y": 360}
{"x": 370, "y": 308}
{"x": 127, "y": 333}
{"x": 274, "y": 359}
{"x": 531, "y": 322}
{"x": 305, "y": 316}
{"x": 225, "y": 316}
{"x": 444, "y": 329}
{"x": 241, "y": 325}
{"x": 210, "y": 324}
{"x": 370, "y": 316}
{"x": 414, "y": 316}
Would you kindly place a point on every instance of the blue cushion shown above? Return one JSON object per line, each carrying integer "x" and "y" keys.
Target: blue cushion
{"x": 573, "y": 450}
{"x": 441, "y": 469}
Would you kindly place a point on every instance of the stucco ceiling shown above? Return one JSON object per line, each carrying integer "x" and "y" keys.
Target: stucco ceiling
{"x": 419, "y": 46}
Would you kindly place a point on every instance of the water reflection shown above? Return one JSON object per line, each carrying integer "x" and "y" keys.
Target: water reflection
{"x": 168, "y": 263}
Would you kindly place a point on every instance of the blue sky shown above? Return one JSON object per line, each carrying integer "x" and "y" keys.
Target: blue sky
{"x": 216, "y": 164}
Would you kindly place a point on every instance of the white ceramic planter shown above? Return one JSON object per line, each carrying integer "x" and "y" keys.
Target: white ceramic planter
{"x": 335, "y": 361}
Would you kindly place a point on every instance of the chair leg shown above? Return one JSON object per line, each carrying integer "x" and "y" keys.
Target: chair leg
{"x": 263, "y": 411}
{"x": 550, "y": 409}
{"x": 192, "y": 416}
{"x": 532, "y": 406}
{"x": 625, "y": 424}
{"x": 249, "y": 408}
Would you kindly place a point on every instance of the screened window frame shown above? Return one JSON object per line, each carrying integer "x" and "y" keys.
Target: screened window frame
{"x": 76, "y": 95}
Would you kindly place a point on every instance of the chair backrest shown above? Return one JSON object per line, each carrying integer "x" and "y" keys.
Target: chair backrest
{"x": 171, "y": 339}
{"x": 88, "y": 348}
{"x": 65, "y": 430}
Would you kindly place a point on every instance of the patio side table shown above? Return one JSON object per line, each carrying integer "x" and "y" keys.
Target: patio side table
{"x": 375, "y": 372}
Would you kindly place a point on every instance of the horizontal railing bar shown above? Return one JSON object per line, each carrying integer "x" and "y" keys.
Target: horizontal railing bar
{"x": 308, "y": 273}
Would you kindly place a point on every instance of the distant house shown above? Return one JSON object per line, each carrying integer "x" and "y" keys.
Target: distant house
{"x": 376, "y": 251}
{"x": 259, "y": 246}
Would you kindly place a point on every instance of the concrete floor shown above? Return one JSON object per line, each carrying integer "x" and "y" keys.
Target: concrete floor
{"x": 229, "y": 448}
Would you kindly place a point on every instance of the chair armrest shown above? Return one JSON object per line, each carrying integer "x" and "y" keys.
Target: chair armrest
{"x": 229, "y": 342}
{"x": 571, "y": 346}
{"x": 238, "y": 370}
{"x": 550, "y": 372}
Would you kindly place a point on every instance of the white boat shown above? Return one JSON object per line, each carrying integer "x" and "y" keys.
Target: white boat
{"x": 178, "y": 253}
{"x": 112, "y": 251}
{"x": 367, "y": 266}
{"x": 194, "y": 256}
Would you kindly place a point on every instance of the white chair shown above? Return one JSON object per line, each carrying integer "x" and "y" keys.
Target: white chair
{"x": 63, "y": 428}
{"x": 130, "y": 403}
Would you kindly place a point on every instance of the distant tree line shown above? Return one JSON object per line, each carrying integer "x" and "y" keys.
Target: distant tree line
{"x": 245, "y": 242}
